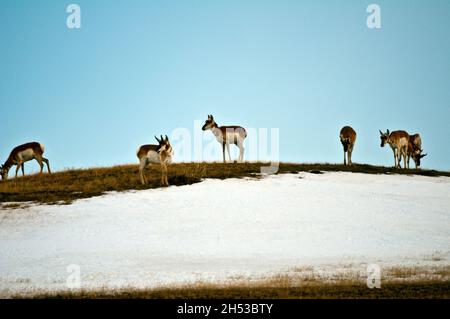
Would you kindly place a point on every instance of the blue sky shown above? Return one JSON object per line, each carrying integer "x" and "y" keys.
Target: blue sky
{"x": 140, "y": 68}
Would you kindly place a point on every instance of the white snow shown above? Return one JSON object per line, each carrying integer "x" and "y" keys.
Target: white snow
{"x": 220, "y": 229}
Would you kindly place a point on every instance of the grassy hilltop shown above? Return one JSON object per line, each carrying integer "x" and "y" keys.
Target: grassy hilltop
{"x": 66, "y": 186}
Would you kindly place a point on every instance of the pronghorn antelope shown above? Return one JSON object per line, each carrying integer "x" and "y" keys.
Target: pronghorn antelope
{"x": 227, "y": 135}
{"x": 155, "y": 154}
{"x": 415, "y": 150}
{"x": 348, "y": 139}
{"x": 24, "y": 153}
{"x": 398, "y": 141}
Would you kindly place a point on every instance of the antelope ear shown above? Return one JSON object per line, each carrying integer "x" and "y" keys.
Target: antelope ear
{"x": 212, "y": 117}
{"x": 167, "y": 139}
{"x": 387, "y": 131}
{"x": 209, "y": 117}
{"x": 157, "y": 139}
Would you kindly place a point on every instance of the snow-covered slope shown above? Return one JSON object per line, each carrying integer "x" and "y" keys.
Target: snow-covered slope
{"x": 219, "y": 229}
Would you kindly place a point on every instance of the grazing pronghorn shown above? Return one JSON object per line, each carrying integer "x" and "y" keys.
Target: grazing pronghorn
{"x": 348, "y": 139}
{"x": 398, "y": 141}
{"x": 24, "y": 153}
{"x": 227, "y": 135}
{"x": 415, "y": 150}
{"x": 155, "y": 154}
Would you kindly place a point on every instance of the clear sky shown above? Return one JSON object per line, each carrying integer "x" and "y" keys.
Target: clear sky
{"x": 140, "y": 68}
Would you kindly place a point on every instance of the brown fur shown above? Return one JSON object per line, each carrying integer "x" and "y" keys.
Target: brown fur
{"x": 144, "y": 149}
{"x": 14, "y": 158}
{"x": 233, "y": 128}
{"x": 165, "y": 152}
{"x": 396, "y": 135}
{"x": 220, "y": 132}
{"x": 398, "y": 140}
{"x": 348, "y": 139}
{"x": 415, "y": 149}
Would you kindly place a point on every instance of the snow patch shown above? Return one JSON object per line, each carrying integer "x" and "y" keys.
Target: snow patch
{"x": 220, "y": 229}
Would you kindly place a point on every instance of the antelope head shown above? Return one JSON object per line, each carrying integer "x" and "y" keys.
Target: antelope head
{"x": 418, "y": 156}
{"x": 209, "y": 123}
{"x": 164, "y": 146}
{"x": 344, "y": 139}
{"x": 384, "y": 138}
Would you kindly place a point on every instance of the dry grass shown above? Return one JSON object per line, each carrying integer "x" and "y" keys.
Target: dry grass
{"x": 67, "y": 186}
{"x": 441, "y": 273}
{"x": 349, "y": 290}
{"x": 289, "y": 286}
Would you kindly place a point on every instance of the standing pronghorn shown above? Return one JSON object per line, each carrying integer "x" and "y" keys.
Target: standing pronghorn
{"x": 348, "y": 139}
{"x": 227, "y": 135}
{"x": 24, "y": 153}
{"x": 415, "y": 150}
{"x": 398, "y": 141}
{"x": 155, "y": 154}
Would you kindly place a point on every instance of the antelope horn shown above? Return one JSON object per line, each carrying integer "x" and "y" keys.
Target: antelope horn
{"x": 157, "y": 139}
{"x": 422, "y": 156}
{"x": 167, "y": 139}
